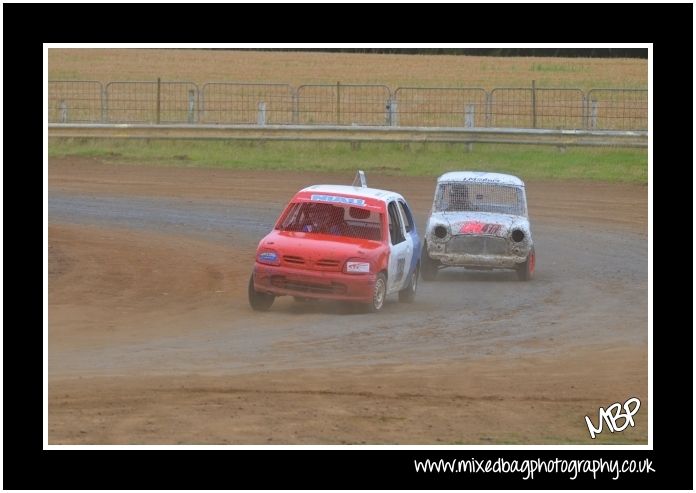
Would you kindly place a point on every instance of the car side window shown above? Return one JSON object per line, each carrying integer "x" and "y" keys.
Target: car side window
{"x": 395, "y": 229}
{"x": 406, "y": 214}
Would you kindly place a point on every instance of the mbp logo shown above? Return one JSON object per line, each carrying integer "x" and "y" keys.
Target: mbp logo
{"x": 613, "y": 414}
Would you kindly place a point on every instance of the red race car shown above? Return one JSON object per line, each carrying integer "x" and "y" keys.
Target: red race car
{"x": 341, "y": 243}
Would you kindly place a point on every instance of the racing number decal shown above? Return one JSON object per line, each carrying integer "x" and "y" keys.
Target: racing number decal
{"x": 401, "y": 248}
{"x": 400, "y": 263}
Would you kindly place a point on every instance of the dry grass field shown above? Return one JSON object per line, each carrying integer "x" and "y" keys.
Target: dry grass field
{"x": 136, "y": 103}
{"x": 298, "y": 68}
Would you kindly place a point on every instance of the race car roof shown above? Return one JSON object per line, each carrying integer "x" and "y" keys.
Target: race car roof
{"x": 481, "y": 177}
{"x": 371, "y": 193}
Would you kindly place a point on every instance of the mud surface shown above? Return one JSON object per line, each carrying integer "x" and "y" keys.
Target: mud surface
{"x": 151, "y": 339}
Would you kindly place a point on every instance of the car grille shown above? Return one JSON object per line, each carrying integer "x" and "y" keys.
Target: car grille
{"x": 293, "y": 259}
{"x": 477, "y": 245}
{"x": 308, "y": 287}
{"x": 325, "y": 262}
{"x": 321, "y": 264}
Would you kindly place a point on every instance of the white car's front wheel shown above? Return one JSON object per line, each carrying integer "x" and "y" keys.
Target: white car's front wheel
{"x": 428, "y": 266}
{"x": 525, "y": 270}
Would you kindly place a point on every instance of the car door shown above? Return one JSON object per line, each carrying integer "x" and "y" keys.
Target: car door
{"x": 411, "y": 236}
{"x": 401, "y": 249}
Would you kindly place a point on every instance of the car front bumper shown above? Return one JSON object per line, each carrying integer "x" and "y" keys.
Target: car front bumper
{"x": 282, "y": 281}
{"x": 479, "y": 251}
{"x": 484, "y": 261}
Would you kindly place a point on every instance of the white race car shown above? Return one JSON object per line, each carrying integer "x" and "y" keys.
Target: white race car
{"x": 478, "y": 221}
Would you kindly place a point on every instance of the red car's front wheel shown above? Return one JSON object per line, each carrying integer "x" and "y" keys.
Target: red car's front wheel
{"x": 379, "y": 293}
{"x": 259, "y": 302}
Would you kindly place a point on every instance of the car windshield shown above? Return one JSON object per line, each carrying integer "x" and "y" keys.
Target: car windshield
{"x": 332, "y": 219}
{"x": 480, "y": 197}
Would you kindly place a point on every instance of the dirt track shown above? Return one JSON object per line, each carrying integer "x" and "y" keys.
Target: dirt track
{"x": 151, "y": 339}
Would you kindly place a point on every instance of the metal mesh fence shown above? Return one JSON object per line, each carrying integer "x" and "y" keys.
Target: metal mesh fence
{"x": 540, "y": 108}
{"x": 480, "y": 197}
{"x": 511, "y": 108}
{"x": 74, "y": 101}
{"x": 440, "y": 107}
{"x": 237, "y": 103}
{"x": 343, "y": 104}
{"x": 150, "y": 102}
{"x": 617, "y": 109}
{"x": 559, "y": 108}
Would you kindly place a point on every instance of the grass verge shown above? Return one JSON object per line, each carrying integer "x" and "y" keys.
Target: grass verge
{"x": 422, "y": 159}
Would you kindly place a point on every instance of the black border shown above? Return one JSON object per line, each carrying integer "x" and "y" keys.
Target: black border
{"x": 26, "y": 465}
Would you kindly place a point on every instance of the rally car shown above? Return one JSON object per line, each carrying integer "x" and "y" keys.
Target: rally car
{"x": 478, "y": 221}
{"x": 337, "y": 242}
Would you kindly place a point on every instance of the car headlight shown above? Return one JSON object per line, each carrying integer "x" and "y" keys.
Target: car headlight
{"x": 517, "y": 235}
{"x": 440, "y": 232}
{"x": 357, "y": 266}
{"x": 269, "y": 257}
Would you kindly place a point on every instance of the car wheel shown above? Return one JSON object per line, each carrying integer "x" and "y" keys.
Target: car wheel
{"x": 428, "y": 266}
{"x": 259, "y": 302}
{"x": 525, "y": 270}
{"x": 408, "y": 294}
{"x": 379, "y": 293}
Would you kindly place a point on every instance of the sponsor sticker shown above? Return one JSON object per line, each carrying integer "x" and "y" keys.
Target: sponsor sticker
{"x": 479, "y": 228}
{"x": 362, "y": 267}
{"x": 268, "y": 256}
{"x": 338, "y": 199}
{"x": 478, "y": 179}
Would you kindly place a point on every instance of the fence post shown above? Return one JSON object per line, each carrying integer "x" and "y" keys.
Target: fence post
{"x": 262, "y": 113}
{"x": 533, "y": 104}
{"x": 158, "y": 100}
{"x": 295, "y": 107}
{"x": 593, "y": 113}
{"x": 489, "y": 108}
{"x": 338, "y": 102}
{"x": 104, "y": 105}
{"x": 584, "y": 112}
{"x": 63, "y": 116}
{"x": 393, "y": 113}
{"x": 191, "y": 105}
{"x": 469, "y": 116}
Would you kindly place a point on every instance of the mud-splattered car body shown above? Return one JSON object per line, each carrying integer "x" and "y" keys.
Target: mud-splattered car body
{"x": 478, "y": 221}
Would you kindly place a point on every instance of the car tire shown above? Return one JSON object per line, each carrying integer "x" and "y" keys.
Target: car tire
{"x": 408, "y": 294}
{"x": 379, "y": 293}
{"x": 525, "y": 270}
{"x": 429, "y": 266}
{"x": 259, "y": 302}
